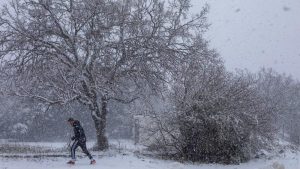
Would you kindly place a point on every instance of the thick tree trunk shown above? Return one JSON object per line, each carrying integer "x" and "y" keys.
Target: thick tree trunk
{"x": 98, "y": 111}
{"x": 99, "y": 117}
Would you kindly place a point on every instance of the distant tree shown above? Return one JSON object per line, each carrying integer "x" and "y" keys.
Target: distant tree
{"x": 281, "y": 96}
{"x": 95, "y": 51}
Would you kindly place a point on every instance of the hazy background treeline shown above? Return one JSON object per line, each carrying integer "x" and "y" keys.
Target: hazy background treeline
{"x": 24, "y": 119}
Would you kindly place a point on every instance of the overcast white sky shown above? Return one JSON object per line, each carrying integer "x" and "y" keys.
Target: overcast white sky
{"x": 255, "y": 33}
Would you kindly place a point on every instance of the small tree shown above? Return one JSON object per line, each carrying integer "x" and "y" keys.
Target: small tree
{"x": 94, "y": 51}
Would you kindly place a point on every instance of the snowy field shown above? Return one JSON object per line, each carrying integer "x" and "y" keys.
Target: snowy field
{"x": 124, "y": 156}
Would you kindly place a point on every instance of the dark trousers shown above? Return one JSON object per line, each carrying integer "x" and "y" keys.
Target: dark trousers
{"x": 82, "y": 145}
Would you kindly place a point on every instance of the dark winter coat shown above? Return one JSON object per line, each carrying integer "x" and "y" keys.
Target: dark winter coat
{"x": 78, "y": 132}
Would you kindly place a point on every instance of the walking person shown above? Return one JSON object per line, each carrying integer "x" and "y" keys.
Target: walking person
{"x": 79, "y": 141}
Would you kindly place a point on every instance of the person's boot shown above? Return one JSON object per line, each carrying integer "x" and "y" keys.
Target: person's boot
{"x": 71, "y": 162}
{"x": 93, "y": 161}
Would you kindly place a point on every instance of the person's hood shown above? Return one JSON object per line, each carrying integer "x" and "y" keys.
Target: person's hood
{"x": 76, "y": 123}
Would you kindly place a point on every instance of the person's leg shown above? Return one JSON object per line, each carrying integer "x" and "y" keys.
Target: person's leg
{"x": 73, "y": 148}
{"x": 85, "y": 151}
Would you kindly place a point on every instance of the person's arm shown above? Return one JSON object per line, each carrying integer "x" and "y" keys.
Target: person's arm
{"x": 78, "y": 131}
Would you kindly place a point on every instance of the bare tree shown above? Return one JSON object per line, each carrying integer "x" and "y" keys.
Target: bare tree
{"x": 94, "y": 51}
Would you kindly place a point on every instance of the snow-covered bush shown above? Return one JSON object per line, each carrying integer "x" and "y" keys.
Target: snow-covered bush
{"x": 217, "y": 117}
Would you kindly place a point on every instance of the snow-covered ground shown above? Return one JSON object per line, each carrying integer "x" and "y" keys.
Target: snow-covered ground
{"x": 123, "y": 157}
{"x": 133, "y": 162}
